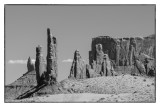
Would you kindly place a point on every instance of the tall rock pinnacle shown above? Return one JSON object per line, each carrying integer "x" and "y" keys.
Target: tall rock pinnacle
{"x": 51, "y": 57}
{"x": 30, "y": 65}
{"x": 78, "y": 69}
{"x": 40, "y": 65}
{"x": 99, "y": 57}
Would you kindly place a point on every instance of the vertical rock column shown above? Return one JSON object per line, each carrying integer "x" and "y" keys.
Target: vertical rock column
{"x": 78, "y": 69}
{"x": 107, "y": 68}
{"x": 55, "y": 56}
{"x": 99, "y": 58}
{"x": 51, "y": 58}
{"x": 30, "y": 65}
{"x": 87, "y": 71}
{"x": 131, "y": 55}
{"x": 104, "y": 67}
{"x": 117, "y": 52}
{"x": 40, "y": 65}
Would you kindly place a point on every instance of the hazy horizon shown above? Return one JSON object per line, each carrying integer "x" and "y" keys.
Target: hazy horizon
{"x": 73, "y": 26}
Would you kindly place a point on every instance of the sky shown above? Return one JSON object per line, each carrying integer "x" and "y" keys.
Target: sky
{"x": 74, "y": 26}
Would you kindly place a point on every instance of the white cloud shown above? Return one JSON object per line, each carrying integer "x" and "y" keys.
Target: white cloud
{"x": 20, "y": 61}
{"x": 71, "y": 60}
{"x": 17, "y": 61}
{"x": 68, "y": 60}
{"x": 33, "y": 60}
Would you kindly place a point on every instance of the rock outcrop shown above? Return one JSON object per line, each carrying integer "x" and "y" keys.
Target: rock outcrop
{"x": 51, "y": 58}
{"x": 107, "y": 67}
{"x": 140, "y": 66}
{"x": 40, "y": 66}
{"x": 99, "y": 58}
{"x": 30, "y": 65}
{"x": 78, "y": 69}
{"x": 47, "y": 74}
{"x": 103, "y": 64}
{"x": 122, "y": 51}
{"x": 90, "y": 73}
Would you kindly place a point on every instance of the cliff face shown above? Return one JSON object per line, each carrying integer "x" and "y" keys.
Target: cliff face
{"x": 122, "y": 51}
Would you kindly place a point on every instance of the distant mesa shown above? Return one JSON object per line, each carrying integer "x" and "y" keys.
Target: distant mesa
{"x": 123, "y": 53}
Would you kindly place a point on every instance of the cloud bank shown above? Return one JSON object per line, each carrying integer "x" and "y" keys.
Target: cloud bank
{"x": 68, "y": 60}
{"x": 20, "y": 61}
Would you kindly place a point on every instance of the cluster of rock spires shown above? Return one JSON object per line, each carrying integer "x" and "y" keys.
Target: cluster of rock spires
{"x": 47, "y": 73}
{"x": 131, "y": 52}
{"x": 107, "y": 58}
{"x": 109, "y": 55}
{"x": 102, "y": 66}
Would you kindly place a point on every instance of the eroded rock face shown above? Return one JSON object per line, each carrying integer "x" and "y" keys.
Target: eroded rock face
{"x": 99, "y": 58}
{"x": 140, "y": 66}
{"x": 102, "y": 66}
{"x": 87, "y": 70}
{"x": 109, "y": 47}
{"x": 122, "y": 51}
{"x": 30, "y": 65}
{"x": 149, "y": 64}
{"x": 107, "y": 67}
{"x": 51, "y": 58}
{"x": 150, "y": 67}
{"x": 40, "y": 66}
{"x": 78, "y": 69}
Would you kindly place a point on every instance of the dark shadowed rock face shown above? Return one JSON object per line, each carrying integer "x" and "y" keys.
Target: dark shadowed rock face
{"x": 30, "y": 65}
{"x": 108, "y": 44}
{"x": 102, "y": 65}
{"x": 122, "y": 51}
{"x": 51, "y": 58}
{"x": 40, "y": 66}
{"x": 78, "y": 69}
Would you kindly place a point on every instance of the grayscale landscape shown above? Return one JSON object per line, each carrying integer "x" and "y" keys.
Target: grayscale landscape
{"x": 114, "y": 69}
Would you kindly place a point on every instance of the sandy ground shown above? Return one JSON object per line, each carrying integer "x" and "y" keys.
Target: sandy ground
{"x": 124, "y": 88}
{"x": 91, "y": 97}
